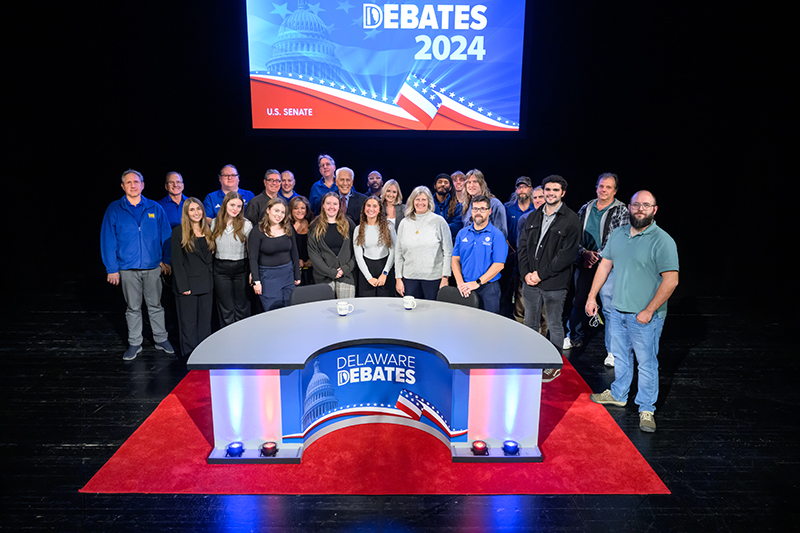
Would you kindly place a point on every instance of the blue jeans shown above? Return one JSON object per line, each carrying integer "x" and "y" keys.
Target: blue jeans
{"x": 605, "y": 300}
{"x": 628, "y": 337}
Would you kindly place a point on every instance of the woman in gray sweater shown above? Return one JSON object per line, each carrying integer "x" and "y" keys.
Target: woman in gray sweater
{"x": 424, "y": 248}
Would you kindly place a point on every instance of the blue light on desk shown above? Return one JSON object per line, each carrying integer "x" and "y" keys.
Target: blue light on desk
{"x": 234, "y": 449}
{"x": 511, "y": 447}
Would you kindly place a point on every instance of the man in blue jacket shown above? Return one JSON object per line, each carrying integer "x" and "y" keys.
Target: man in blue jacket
{"x": 134, "y": 242}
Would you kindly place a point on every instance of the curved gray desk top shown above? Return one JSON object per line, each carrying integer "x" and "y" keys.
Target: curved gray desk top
{"x": 290, "y": 337}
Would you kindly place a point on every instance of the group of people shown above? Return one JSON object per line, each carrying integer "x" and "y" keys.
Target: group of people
{"x": 521, "y": 258}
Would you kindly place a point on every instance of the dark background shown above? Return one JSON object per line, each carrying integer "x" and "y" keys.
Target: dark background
{"x": 687, "y": 99}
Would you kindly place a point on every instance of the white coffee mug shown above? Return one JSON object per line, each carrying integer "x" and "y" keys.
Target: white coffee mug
{"x": 409, "y": 302}
{"x": 344, "y": 308}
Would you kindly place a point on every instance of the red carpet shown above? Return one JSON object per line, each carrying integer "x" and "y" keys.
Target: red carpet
{"x": 584, "y": 450}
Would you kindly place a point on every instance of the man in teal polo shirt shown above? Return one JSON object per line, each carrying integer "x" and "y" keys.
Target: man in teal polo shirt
{"x": 645, "y": 262}
{"x": 479, "y": 255}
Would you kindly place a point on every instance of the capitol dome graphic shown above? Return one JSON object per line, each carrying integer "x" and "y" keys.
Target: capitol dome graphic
{"x": 304, "y": 47}
{"x": 320, "y": 398}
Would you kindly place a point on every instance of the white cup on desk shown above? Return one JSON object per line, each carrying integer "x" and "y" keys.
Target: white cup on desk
{"x": 409, "y": 302}
{"x": 344, "y": 308}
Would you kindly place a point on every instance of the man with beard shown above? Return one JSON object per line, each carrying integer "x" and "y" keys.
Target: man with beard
{"x": 547, "y": 249}
{"x": 326, "y": 184}
{"x": 518, "y": 206}
{"x": 374, "y": 184}
{"x": 446, "y": 204}
{"x": 598, "y": 218}
{"x": 256, "y": 208}
{"x": 645, "y": 261}
{"x": 479, "y": 253}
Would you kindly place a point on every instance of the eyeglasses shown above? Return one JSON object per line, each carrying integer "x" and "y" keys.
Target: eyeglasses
{"x": 480, "y": 209}
{"x": 229, "y": 175}
{"x": 643, "y": 207}
{"x": 273, "y": 181}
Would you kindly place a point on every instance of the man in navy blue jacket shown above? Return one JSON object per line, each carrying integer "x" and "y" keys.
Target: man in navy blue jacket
{"x": 134, "y": 244}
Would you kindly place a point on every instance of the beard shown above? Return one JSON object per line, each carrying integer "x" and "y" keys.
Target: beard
{"x": 642, "y": 222}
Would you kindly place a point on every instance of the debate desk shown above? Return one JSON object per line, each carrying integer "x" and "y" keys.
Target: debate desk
{"x": 293, "y": 375}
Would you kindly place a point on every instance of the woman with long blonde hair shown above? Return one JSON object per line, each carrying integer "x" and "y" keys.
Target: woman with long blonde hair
{"x": 229, "y": 231}
{"x": 330, "y": 247}
{"x": 374, "y": 250}
{"x": 274, "y": 260}
{"x": 392, "y": 202}
{"x": 193, "y": 284}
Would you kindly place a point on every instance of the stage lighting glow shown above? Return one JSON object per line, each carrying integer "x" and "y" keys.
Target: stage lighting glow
{"x": 269, "y": 449}
{"x": 511, "y": 447}
{"x": 479, "y": 448}
{"x": 234, "y": 449}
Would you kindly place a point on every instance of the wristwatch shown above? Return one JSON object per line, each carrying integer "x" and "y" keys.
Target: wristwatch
{"x": 479, "y": 282}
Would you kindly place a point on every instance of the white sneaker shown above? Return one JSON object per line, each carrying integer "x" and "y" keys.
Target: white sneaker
{"x": 567, "y": 343}
{"x": 609, "y": 360}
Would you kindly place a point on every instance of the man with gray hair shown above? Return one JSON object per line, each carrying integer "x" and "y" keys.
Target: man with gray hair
{"x": 326, "y": 183}
{"x": 350, "y": 201}
{"x": 598, "y": 219}
{"x": 134, "y": 245}
{"x": 172, "y": 203}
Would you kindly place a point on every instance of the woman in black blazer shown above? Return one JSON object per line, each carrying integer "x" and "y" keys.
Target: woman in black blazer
{"x": 192, "y": 267}
{"x": 330, "y": 247}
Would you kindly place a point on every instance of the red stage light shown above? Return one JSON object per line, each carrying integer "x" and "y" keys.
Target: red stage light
{"x": 479, "y": 448}
{"x": 269, "y": 449}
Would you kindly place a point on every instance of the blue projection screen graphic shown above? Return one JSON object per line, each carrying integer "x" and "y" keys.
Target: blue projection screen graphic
{"x": 371, "y": 66}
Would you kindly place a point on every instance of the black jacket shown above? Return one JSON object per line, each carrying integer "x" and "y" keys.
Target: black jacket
{"x": 191, "y": 271}
{"x": 555, "y": 257}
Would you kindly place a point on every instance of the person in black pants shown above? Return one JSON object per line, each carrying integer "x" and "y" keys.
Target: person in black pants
{"x": 229, "y": 232}
{"x": 192, "y": 252}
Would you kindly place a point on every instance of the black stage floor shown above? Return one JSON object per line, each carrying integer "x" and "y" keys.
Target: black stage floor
{"x": 726, "y": 445}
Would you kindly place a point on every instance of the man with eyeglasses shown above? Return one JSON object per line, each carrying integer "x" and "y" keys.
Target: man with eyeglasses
{"x": 599, "y": 218}
{"x": 548, "y": 246}
{"x": 326, "y": 183}
{"x": 645, "y": 262}
{"x": 229, "y": 182}
{"x": 479, "y": 254}
{"x": 255, "y": 209}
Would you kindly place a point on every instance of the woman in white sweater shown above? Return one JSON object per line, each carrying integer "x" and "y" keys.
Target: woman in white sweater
{"x": 373, "y": 242}
{"x": 424, "y": 248}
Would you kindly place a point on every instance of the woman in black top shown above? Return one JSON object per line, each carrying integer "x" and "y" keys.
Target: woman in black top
{"x": 273, "y": 257}
{"x": 192, "y": 253}
{"x": 300, "y": 217}
{"x": 330, "y": 246}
